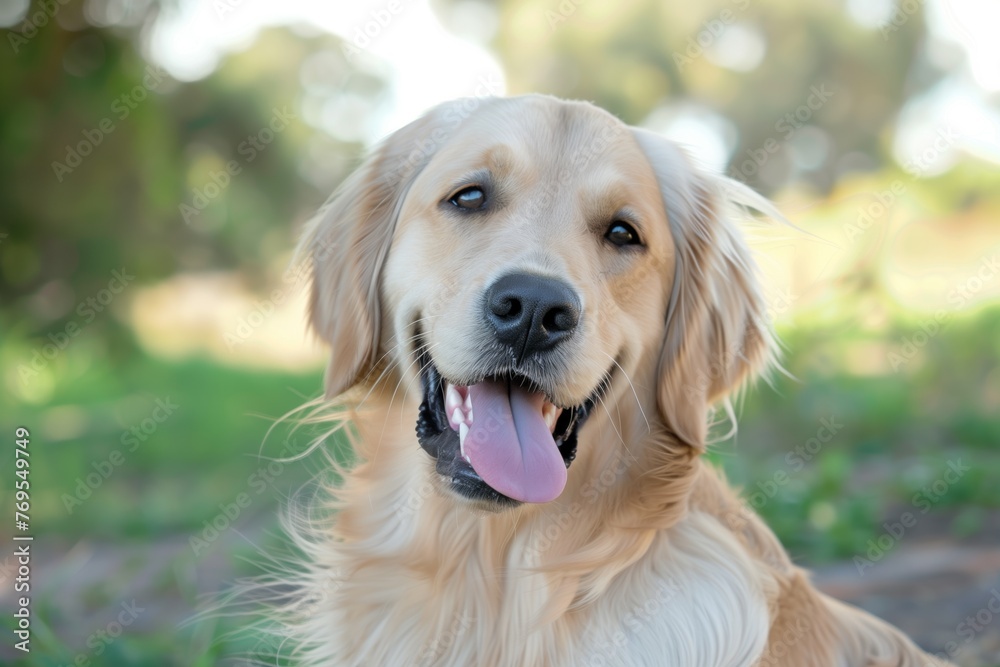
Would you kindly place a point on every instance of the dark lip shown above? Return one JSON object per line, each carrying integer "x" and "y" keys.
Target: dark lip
{"x": 438, "y": 439}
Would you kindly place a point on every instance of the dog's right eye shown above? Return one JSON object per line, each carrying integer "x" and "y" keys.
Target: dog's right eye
{"x": 471, "y": 198}
{"x": 622, "y": 234}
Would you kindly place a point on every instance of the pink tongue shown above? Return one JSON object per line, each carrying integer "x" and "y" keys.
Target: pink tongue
{"x": 510, "y": 445}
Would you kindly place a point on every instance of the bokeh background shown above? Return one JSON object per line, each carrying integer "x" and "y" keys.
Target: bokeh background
{"x": 159, "y": 159}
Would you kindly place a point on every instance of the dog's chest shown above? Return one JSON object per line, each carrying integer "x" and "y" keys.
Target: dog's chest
{"x": 690, "y": 601}
{"x": 676, "y": 614}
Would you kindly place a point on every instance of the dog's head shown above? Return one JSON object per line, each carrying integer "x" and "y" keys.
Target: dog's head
{"x": 524, "y": 260}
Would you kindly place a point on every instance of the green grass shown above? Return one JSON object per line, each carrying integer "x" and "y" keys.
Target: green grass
{"x": 899, "y": 432}
{"x": 204, "y": 453}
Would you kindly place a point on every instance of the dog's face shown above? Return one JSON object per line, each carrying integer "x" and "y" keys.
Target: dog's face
{"x": 530, "y": 256}
{"x": 517, "y": 260}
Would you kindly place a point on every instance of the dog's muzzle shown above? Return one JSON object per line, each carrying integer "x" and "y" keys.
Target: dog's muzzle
{"x": 499, "y": 436}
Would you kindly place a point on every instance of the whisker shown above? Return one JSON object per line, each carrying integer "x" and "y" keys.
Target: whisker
{"x": 386, "y": 369}
{"x": 395, "y": 363}
{"x": 632, "y": 387}
{"x": 621, "y": 438}
{"x": 420, "y": 350}
{"x": 389, "y": 408}
{"x": 406, "y": 389}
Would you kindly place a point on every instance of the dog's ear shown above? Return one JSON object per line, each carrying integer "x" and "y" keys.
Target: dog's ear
{"x": 348, "y": 243}
{"x": 717, "y": 332}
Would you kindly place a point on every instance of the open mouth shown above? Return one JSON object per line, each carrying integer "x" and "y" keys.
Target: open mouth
{"x": 500, "y": 439}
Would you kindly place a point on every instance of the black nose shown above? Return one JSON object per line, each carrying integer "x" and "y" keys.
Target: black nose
{"x": 530, "y": 313}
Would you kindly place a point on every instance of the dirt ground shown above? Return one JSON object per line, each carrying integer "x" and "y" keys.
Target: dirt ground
{"x": 941, "y": 594}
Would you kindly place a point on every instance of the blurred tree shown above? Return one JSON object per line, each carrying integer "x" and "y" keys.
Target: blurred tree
{"x": 109, "y": 162}
{"x": 770, "y": 67}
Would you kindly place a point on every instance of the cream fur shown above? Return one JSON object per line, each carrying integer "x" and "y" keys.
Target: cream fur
{"x": 648, "y": 557}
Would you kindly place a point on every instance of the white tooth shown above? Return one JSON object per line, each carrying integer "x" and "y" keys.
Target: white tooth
{"x": 468, "y": 404}
{"x": 549, "y": 414}
{"x": 457, "y": 417}
{"x": 463, "y": 430}
{"x": 452, "y": 398}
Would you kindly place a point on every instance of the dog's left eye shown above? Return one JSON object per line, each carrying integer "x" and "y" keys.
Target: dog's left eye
{"x": 471, "y": 198}
{"x": 622, "y": 234}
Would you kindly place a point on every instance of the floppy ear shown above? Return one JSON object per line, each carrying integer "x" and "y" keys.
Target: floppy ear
{"x": 348, "y": 242}
{"x": 717, "y": 333}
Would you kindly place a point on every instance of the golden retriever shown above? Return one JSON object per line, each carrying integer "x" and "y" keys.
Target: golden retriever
{"x": 532, "y": 309}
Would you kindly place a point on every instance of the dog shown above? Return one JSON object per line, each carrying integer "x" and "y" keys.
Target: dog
{"x": 533, "y": 310}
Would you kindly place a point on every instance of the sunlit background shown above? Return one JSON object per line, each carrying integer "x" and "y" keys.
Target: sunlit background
{"x": 159, "y": 159}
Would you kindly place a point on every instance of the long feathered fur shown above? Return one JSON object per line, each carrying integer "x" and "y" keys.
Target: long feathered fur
{"x": 648, "y": 557}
